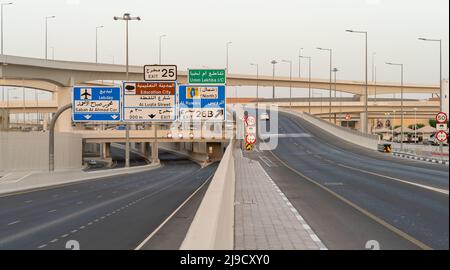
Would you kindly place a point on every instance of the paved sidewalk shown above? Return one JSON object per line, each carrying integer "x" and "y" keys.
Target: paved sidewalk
{"x": 21, "y": 181}
{"x": 264, "y": 217}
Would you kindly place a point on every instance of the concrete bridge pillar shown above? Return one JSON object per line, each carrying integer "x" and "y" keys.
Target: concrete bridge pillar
{"x": 106, "y": 150}
{"x": 64, "y": 123}
{"x": 150, "y": 150}
{"x": 154, "y": 156}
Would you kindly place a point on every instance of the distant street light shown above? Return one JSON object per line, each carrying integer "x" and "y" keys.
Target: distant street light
{"x": 290, "y": 80}
{"x": 335, "y": 70}
{"x": 160, "y": 49}
{"x": 441, "y": 108}
{"x": 300, "y": 62}
{"x": 227, "y": 45}
{"x": 274, "y": 62}
{"x": 2, "y": 5}
{"x": 126, "y": 17}
{"x": 331, "y": 65}
{"x": 415, "y": 126}
{"x": 257, "y": 83}
{"x": 46, "y": 35}
{"x": 96, "y": 42}
{"x": 366, "y": 97}
{"x": 309, "y": 82}
{"x": 440, "y": 68}
{"x": 401, "y": 103}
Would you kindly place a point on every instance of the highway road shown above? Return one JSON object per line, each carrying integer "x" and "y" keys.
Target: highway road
{"x": 114, "y": 213}
{"x": 350, "y": 195}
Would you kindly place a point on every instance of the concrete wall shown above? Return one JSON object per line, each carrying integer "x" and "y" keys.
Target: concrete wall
{"x": 26, "y": 151}
{"x": 213, "y": 224}
{"x": 353, "y": 136}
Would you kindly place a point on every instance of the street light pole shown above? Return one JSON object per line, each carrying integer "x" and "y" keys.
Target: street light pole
{"x": 290, "y": 81}
{"x": 96, "y": 42}
{"x": 440, "y": 78}
{"x": 401, "y": 104}
{"x": 126, "y": 17}
{"x": 160, "y": 38}
{"x": 309, "y": 82}
{"x": 300, "y": 62}
{"x": 46, "y": 35}
{"x": 2, "y": 5}
{"x": 366, "y": 98}
{"x": 331, "y": 65}
{"x": 274, "y": 62}
{"x": 257, "y": 84}
{"x": 335, "y": 70}
{"x": 415, "y": 126}
{"x": 227, "y": 45}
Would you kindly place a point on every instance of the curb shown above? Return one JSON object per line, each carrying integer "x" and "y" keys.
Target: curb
{"x": 413, "y": 157}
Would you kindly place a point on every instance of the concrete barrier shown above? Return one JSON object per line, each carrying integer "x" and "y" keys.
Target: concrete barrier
{"x": 213, "y": 224}
{"x": 353, "y": 136}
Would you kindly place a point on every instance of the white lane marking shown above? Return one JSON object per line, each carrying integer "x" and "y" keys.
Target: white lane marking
{"x": 171, "y": 215}
{"x": 54, "y": 240}
{"x": 286, "y": 135}
{"x": 299, "y": 217}
{"x": 29, "y": 201}
{"x": 25, "y": 176}
{"x": 82, "y": 227}
{"x": 14, "y": 222}
{"x": 64, "y": 235}
{"x": 51, "y": 211}
{"x": 399, "y": 180}
{"x": 80, "y": 202}
{"x": 74, "y": 231}
{"x": 42, "y": 246}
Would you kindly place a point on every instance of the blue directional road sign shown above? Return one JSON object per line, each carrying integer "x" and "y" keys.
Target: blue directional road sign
{"x": 202, "y": 103}
{"x": 92, "y": 104}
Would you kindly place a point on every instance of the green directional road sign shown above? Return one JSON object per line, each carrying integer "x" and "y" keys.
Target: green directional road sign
{"x": 207, "y": 76}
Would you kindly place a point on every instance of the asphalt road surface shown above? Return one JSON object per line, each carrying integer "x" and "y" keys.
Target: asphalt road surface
{"x": 350, "y": 195}
{"x": 113, "y": 213}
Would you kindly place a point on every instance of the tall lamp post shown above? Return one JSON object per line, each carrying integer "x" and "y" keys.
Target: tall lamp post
{"x": 366, "y": 98}
{"x": 126, "y": 17}
{"x": 300, "y": 62}
{"x": 2, "y": 5}
{"x": 401, "y": 104}
{"x": 96, "y": 42}
{"x": 257, "y": 83}
{"x": 290, "y": 81}
{"x": 440, "y": 76}
{"x": 331, "y": 65}
{"x": 160, "y": 41}
{"x": 335, "y": 70}
{"x": 274, "y": 62}
{"x": 227, "y": 49}
{"x": 46, "y": 35}
{"x": 415, "y": 126}
{"x": 309, "y": 82}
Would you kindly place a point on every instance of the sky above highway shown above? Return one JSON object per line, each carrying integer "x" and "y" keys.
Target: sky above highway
{"x": 197, "y": 32}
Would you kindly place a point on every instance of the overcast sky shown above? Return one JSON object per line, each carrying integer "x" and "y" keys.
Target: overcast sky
{"x": 261, "y": 30}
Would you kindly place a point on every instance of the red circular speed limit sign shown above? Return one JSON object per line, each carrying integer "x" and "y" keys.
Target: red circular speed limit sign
{"x": 250, "y": 139}
{"x": 442, "y": 136}
{"x": 441, "y": 117}
{"x": 250, "y": 121}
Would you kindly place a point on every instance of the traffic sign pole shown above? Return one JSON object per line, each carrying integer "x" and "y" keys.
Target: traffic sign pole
{"x": 441, "y": 118}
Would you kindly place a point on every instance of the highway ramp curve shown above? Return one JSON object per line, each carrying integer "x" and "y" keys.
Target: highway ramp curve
{"x": 113, "y": 213}
{"x": 350, "y": 195}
